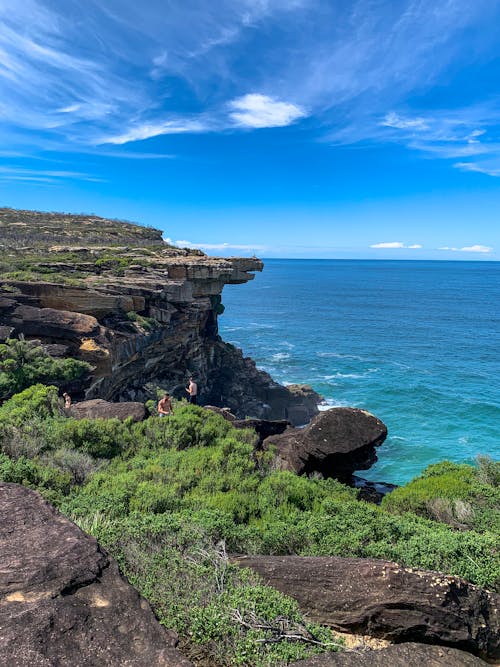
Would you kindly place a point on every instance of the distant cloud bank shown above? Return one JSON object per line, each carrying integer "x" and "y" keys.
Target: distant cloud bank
{"x": 396, "y": 244}
{"x": 216, "y": 246}
{"x": 471, "y": 248}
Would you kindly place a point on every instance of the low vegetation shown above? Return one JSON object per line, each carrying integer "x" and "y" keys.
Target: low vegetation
{"x": 73, "y": 249}
{"x": 23, "y": 364}
{"x": 170, "y": 497}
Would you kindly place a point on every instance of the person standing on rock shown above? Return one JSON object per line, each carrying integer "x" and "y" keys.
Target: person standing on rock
{"x": 67, "y": 401}
{"x": 192, "y": 390}
{"x": 164, "y": 407}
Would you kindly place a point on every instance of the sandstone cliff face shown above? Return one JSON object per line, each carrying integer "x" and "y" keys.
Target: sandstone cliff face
{"x": 140, "y": 315}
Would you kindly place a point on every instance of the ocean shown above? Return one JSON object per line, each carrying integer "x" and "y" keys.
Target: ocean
{"x": 417, "y": 343}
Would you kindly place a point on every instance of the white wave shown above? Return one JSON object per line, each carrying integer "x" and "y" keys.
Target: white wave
{"x": 338, "y": 355}
{"x": 351, "y": 376}
{"x": 328, "y": 403}
{"x": 280, "y": 356}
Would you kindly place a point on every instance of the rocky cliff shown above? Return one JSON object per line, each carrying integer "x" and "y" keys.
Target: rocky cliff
{"x": 141, "y": 312}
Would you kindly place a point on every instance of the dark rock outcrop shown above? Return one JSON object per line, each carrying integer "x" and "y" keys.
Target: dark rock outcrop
{"x": 383, "y": 599}
{"x": 63, "y": 600}
{"x": 97, "y": 408}
{"x": 371, "y": 492}
{"x": 336, "y": 443}
{"x": 263, "y": 427}
{"x": 399, "y": 655}
{"x": 223, "y": 412}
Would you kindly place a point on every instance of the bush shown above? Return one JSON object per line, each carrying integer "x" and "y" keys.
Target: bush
{"x": 52, "y": 484}
{"x": 488, "y": 470}
{"x": 38, "y": 402}
{"x": 451, "y": 493}
{"x": 78, "y": 464}
{"x": 100, "y": 438}
{"x": 23, "y": 364}
{"x": 213, "y": 605}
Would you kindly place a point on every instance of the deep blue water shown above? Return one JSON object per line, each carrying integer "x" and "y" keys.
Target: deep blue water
{"x": 415, "y": 343}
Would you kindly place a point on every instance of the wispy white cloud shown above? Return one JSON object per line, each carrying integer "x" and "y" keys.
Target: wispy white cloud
{"x": 396, "y": 245}
{"x": 218, "y": 246}
{"x": 257, "y": 111}
{"x": 393, "y": 119}
{"x": 476, "y": 248}
{"x": 473, "y": 248}
{"x": 489, "y": 167}
{"x": 148, "y": 130}
{"x": 124, "y": 72}
{"x": 45, "y": 175}
{"x": 469, "y": 132}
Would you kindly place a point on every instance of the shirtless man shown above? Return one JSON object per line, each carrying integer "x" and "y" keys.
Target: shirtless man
{"x": 192, "y": 390}
{"x": 165, "y": 406}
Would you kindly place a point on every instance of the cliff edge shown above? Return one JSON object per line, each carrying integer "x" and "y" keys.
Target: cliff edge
{"x": 140, "y": 311}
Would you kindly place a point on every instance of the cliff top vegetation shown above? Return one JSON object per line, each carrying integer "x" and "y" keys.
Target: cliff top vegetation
{"x": 68, "y": 248}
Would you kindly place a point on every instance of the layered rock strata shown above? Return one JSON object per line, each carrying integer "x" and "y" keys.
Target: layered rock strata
{"x": 140, "y": 314}
{"x": 62, "y": 598}
{"x": 98, "y": 408}
{"x": 383, "y": 599}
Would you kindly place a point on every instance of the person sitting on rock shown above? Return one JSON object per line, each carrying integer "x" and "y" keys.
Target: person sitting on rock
{"x": 192, "y": 390}
{"x": 164, "y": 407}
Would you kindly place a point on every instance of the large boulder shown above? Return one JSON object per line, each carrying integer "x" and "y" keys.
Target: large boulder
{"x": 398, "y": 655}
{"x": 58, "y": 324}
{"x": 97, "y": 408}
{"x": 383, "y": 599}
{"x": 63, "y": 600}
{"x": 336, "y": 443}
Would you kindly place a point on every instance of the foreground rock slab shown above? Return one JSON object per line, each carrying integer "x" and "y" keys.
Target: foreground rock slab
{"x": 335, "y": 443}
{"x": 63, "y": 600}
{"x": 399, "y": 655}
{"x": 97, "y": 408}
{"x": 383, "y": 599}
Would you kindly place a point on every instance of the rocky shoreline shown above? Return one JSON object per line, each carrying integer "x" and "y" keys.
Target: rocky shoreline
{"x": 144, "y": 315}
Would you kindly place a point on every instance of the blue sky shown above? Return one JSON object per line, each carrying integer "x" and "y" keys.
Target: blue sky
{"x": 294, "y": 128}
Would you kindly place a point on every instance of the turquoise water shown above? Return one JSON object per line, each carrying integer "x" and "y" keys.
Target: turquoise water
{"x": 415, "y": 343}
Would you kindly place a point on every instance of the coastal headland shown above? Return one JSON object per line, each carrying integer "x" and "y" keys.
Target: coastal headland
{"x": 228, "y": 534}
{"x": 141, "y": 312}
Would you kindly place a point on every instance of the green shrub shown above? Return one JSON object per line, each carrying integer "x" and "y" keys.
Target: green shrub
{"x": 456, "y": 494}
{"x": 213, "y": 605}
{"x": 37, "y": 402}
{"x": 488, "y": 470}
{"x": 78, "y": 464}
{"x": 52, "y": 484}
{"x": 23, "y": 364}
{"x": 100, "y": 438}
